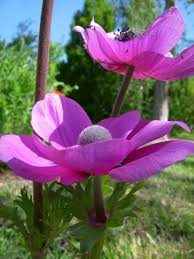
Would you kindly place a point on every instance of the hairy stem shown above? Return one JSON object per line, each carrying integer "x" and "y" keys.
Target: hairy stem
{"x": 96, "y": 251}
{"x": 123, "y": 89}
{"x": 98, "y": 201}
{"x": 43, "y": 49}
{"x": 40, "y": 91}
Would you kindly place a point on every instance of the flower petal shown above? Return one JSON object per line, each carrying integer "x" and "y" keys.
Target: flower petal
{"x": 81, "y": 30}
{"x": 59, "y": 120}
{"x": 22, "y": 156}
{"x": 97, "y": 158}
{"x": 160, "y": 37}
{"x": 115, "y": 55}
{"x": 147, "y": 131}
{"x": 148, "y": 161}
{"x": 121, "y": 126}
{"x": 165, "y": 32}
{"x": 73, "y": 177}
{"x": 99, "y": 47}
{"x": 165, "y": 68}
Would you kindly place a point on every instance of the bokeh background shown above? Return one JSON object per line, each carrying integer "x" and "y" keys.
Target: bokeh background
{"x": 165, "y": 227}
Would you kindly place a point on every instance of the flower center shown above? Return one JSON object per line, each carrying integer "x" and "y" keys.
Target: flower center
{"x": 93, "y": 134}
{"x": 128, "y": 34}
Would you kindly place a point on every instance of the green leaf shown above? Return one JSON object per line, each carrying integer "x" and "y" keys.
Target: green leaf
{"x": 127, "y": 201}
{"x": 87, "y": 234}
{"x": 13, "y": 217}
{"x": 107, "y": 184}
{"x": 136, "y": 187}
{"x": 24, "y": 201}
{"x": 119, "y": 191}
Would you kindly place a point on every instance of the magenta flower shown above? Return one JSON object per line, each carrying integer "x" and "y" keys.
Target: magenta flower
{"x": 77, "y": 149}
{"x": 148, "y": 52}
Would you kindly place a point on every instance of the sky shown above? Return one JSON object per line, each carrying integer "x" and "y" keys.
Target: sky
{"x": 14, "y": 11}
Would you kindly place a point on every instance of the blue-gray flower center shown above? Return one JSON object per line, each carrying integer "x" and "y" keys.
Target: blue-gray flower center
{"x": 93, "y": 134}
{"x": 128, "y": 34}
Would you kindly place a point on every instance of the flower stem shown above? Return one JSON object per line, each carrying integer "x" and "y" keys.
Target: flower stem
{"x": 123, "y": 89}
{"x": 43, "y": 49}
{"x": 40, "y": 91}
{"x": 98, "y": 201}
{"x": 96, "y": 251}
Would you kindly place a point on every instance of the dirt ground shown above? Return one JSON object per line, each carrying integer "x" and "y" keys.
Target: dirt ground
{"x": 8, "y": 178}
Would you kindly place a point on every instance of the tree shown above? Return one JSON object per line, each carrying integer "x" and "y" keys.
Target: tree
{"x": 161, "y": 106}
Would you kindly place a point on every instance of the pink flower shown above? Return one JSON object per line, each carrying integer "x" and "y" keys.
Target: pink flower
{"x": 77, "y": 149}
{"x": 148, "y": 52}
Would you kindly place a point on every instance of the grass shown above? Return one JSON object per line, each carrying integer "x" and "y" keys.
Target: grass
{"x": 164, "y": 229}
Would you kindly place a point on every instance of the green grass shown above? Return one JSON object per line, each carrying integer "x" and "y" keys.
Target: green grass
{"x": 164, "y": 229}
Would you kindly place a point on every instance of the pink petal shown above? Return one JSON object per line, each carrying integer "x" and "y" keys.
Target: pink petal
{"x": 99, "y": 48}
{"x": 121, "y": 126}
{"x": 81, "y": 30}
{"x": 148, "y": 161}
{"x": 147, "y": 131}
{"x": 26, "y": 161}
{"x": 97, "y": 158}
{"x": 73, "y": 177}
{"x": 165, "y": 32}
{"x": 59, "y": 120}
{"x": 160, "y": 37}
{"x": 164, "y": 68}
{"x": 122, "y": 68}
{"x": 115, "y": 55}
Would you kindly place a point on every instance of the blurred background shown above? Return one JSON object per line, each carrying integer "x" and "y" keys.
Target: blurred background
{"x": 165, "y": 229}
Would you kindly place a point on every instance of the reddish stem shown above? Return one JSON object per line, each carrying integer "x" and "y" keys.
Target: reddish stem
{"x": 123, "y": 89}
{"x": 40, "y": 91}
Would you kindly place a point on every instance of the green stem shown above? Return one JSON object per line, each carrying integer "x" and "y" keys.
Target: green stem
{"x": 96, "y": 251}
{"x": 38, "y": 255}
{"x": 99, "y": 201}
{"x": 40, "y": 91}
{"x": 123, "y": 89}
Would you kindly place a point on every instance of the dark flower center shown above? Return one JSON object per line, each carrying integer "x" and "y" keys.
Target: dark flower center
{"x": 128, "y": 34}
{"x": 93, "y": 134}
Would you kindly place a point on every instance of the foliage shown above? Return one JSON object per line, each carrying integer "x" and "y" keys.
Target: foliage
{"x": 119, "y": 205}
{"x": 181, "y": 101}
{"x": 17, "y": 77}
{"x": 20, "y": 216}
{"x": 17, "y": 81}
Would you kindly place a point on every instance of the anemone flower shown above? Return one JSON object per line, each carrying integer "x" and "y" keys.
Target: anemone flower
{"x": 69, "y": 147}
{"x": 148, "y": 52}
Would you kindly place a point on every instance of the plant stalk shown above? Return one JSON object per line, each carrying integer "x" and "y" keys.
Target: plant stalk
{"x": 40, "y": 91}
{"x": 96, "y": 251}
{"x": 98, "y": 196}
{"x": 123, "y": 89}
{"x": 98, "y": 201}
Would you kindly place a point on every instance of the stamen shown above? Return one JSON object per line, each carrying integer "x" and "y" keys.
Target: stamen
{"x": 93, "y": 134}
{"x": 128, "y": 34}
